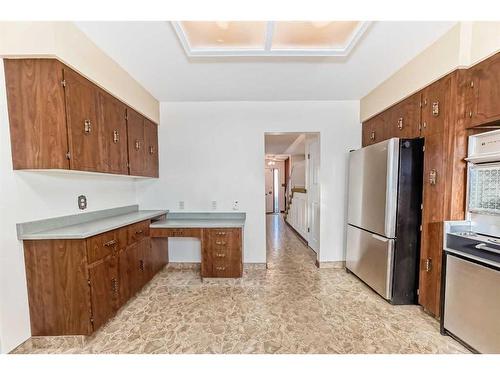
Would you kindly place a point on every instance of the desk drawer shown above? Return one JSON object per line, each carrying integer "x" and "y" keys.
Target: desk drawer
{"x": 176, "y": 232}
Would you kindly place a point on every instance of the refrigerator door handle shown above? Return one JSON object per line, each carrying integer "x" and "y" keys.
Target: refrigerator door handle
{"x": 380, "y": 238}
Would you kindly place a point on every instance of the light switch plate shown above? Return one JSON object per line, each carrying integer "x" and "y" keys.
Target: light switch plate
{"x": 82, "y": 202}
{"x": 214, "y": 205}
{"x": 236, "y": 206}
{"x": 181, "y": 205}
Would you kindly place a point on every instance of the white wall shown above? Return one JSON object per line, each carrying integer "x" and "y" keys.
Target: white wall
{"x": 26, "y": 196}
{"x": 215, "y": 150}
{"x": 298, "y": 171}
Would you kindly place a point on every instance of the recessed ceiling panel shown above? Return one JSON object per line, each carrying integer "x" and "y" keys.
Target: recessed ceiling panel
{"x": 313, "y": 34}
{"x": 269, "y": 38}
{"x": 225, "y": 34}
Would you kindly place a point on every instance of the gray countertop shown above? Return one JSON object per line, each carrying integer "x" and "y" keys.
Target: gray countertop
{"x": 201, "y": 220}
{"x": 85, "y": 225}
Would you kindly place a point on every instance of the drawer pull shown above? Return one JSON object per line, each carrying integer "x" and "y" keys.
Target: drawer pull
{"x": 219, "y": 268}
{"x": 141, "y": 265}
{"x": 220, "y": 243}
{"x": 220, "y": 255}
{"x": 110, "y": 243}
{"x": 178, "y": 233}
{"x": 139, "y": 231}
{"x": 114, "y": 285}
{"x": 221, "y": 233}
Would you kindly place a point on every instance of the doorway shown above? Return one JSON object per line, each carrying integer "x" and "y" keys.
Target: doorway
{"x": 292, "y": 195}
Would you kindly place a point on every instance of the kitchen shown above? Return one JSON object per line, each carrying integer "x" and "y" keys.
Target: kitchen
{"x": 103, "y": 180}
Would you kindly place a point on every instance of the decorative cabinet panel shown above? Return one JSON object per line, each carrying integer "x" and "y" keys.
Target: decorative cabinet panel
{"x": 222, "y": 253}
{"x": 61, "y": 120}
{"x": 484, "y": 92}
{"x": 75, "y": 286}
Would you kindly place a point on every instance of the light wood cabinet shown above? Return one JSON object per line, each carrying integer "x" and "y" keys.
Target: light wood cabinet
{"x": 61, "y": 120}
{"x": 76, "y": 286}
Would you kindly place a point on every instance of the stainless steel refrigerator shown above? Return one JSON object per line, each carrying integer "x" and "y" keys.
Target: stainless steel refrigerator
{"x": 384, "y": 217}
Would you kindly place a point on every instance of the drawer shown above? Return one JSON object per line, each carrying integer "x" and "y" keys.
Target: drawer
{"x": 138, "y": 231}
{"x": 176, "y": 232}
{"x": 101, "y": 246}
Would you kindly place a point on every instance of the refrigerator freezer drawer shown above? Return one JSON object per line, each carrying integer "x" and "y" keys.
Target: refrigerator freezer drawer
{"x": 370, "y": 257}
{"x": 472, "y": 304}
{"x": 373, "y": 185}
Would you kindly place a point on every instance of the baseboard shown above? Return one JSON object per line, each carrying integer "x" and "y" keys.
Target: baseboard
{"x": 254, "y": 266}
{"x": 184, "y": 265}
{"x": 337, "y": 264}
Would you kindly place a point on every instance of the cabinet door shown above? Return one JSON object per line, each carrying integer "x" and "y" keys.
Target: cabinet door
{"x": 432, "y": 223}
{"x": 404, "y": 118}
{"x": 485, "y": 86}
{"x": 130, "y": 272}
{"x": 147, "y": 260}
{"x": 85, "y": 133}
{"x": 373, "y": 130}
{"x": 435, "y": 105}
{"x": 366, "y": 133}
{"x": 37, "y": 119}
{"x": 151, "y": 141}
{"x": 113, "y": 120}
{"x": 159, "y": 249}
{"x": 104, "y": 287}
{"x": 136, "y": 146}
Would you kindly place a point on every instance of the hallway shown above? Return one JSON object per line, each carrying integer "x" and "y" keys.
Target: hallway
{"x": 293, "y": 307}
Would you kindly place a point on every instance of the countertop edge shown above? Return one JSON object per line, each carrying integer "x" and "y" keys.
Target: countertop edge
{"x": 42, "y": 236}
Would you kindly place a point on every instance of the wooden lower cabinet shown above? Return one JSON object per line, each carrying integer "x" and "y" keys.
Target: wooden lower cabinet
{"x": 222, "y": 256}
{"x": 76, "y": 286}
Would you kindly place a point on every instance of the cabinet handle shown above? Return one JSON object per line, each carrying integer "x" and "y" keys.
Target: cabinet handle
{"x": 433, "y": 177}
{"x": 470, "y": 114}
{"x": 221, "y": 233}
{"x": 220, "y": 243}
{"x": 400, "y": 123}
{"x": 435, "y": 109}
{"x": 110, "y": 243}
{"x": 87, "y": 127}
{"x": 151, "y": 150}
{"x": 139, "y": 231}
{"x": 220, "y": 268}
{"x": 471, "y": 84}
{"x": 114, "y": 285}
{"x": 424, "y": 125}
{"x": 220, "y": 255}
{"x": 116, "y": 136}
{"x": 141, "y": 265}
{"x": 137, "y": 144}
{"x": 372, "y": 135}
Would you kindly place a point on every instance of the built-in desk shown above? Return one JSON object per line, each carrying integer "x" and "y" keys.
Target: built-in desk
{"x": 220, "y": 233}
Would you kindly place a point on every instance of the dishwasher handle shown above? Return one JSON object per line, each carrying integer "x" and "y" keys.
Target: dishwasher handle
{"x": 483, "y": 246}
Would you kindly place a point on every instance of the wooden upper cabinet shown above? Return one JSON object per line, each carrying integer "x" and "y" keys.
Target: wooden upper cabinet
{"x": 436, "y": 102}
{"x": 484, "y": 88}
{"x": 373, "y": 130}
{"x": 85, "y": 130}
{"x": 61, "y": 120}
{"x": 35, "y": 97}
{"x": 135, "y": 140}
{"x": 114, "y": 123}
{"x": 151, "y": 142}
{"x": 404, "y": 118}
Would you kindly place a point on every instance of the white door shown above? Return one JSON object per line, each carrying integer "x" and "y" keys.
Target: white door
{"x": 313, "y": 191}
{"x": 269, "y": 191}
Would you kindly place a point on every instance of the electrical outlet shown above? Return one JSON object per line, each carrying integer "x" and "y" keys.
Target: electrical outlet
{"x": 181, "y": 205}
{"x": 82, "y": 202}
{"x": 214, "y": 205}
{"x": 236, "y": 206}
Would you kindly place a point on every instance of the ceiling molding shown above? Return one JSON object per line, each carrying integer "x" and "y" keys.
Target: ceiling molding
{"x": 268, "y": 50}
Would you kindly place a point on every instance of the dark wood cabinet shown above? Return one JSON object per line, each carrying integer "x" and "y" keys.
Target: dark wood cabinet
{"x": 404, "y": 118}
{"x": 435, "y": 105}
{"x": 222, "y": 255}
{"x": 35, "y": 98}
{"x": 373, "y": 130}
{"x": 75, "y": 286}
{"x": 61, "y": 120}
{"x": 136, "y": 146}
{"x": 114, "y": 123}
{"x": 85, "y": 130}
{"x": 104, "y": 290}
{"x": 151, "y": 143}
{"x": 484, "y": 92}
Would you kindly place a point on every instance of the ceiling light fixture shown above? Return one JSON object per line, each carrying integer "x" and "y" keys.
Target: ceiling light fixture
{"x": 320, "y": 24}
